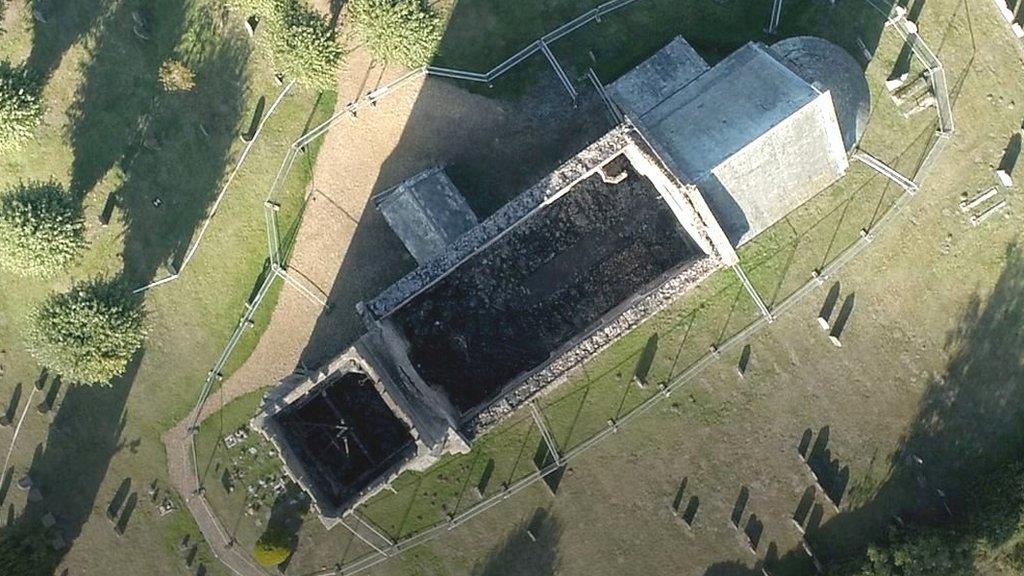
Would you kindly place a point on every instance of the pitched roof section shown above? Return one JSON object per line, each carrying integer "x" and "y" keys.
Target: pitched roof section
{"x": 427, "y": 212}
{"x": 727, "y": 108}
{"x": 756, "y": 138}
{"x": 658, "y": 77}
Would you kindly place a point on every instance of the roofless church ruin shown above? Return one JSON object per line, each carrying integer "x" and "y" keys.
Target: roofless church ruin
{"x": 500, "y": 310}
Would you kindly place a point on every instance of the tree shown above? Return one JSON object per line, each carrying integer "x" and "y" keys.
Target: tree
{"x": 90, "y": 333}
{"x": 304, "y": 45}
{"x": 273, "y": 547}
{"x": 21, "y": 109}
{"x": 982, "y": 539}
{"x": 300, "y": 42}
{"x": 175, "y": 76}
{"x": 402, "y": 31}
{"x": 921, "y": 551}
{"x": 42, "y": 231}
{"x": 26, "y": 551}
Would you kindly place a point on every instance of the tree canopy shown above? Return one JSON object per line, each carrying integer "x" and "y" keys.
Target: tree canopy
{"x": 25, "y": 551}
{"x": 983, "y": 538}
{"x": 273, "y": 547}
{"x": 21, "y": 108}
{"x": 42, "y": 231}
{"x": 89, "y": 333}
{"x": 401, "y": 31}
{"x": 300, "y": 42}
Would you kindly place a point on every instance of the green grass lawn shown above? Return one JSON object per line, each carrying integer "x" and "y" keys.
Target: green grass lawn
{"x": 110, "y": 129}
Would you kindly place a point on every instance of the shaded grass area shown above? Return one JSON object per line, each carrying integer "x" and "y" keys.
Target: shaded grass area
{"x": 111, "y": 132}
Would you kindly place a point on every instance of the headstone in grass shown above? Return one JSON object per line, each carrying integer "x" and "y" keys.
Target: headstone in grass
{"x": 739, "y": 507}
{"x": 1009, "y": 161}
{"x": 250, "y": 25}
{"x": 140, "y": 27}
{"x": 254, "y": 124}
{"x": 690, "y": 512}
{"x": 741, "y": 367}
{"x": 108, "y": 209}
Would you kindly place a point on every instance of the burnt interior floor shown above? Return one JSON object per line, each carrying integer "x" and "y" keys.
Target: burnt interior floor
{"x": 345, "y": 434}
{"x": 504, "y": 311}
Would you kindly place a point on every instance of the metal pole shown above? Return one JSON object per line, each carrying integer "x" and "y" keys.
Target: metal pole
{"x": 886, "y": 170}
{"x": 309, "y": 294}
{"x": 17, "y": 430}
{"x": 559, "y": 71}
{"x": 765, "y": 312}
{"x": 539, "y": 419}
{"x": 773, "y": 19}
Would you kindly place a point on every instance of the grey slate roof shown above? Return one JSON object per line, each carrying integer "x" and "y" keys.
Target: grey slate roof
{"x": 427, "y": 212}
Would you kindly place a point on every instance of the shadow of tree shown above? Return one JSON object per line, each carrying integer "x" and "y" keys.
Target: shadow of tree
{"x": 287, "y": 515}
{"x": 969, "y": 423}
{"x": 84, "y": 436}
{"x": 170, "y": 147}
{"x": 56, "y": 26}
{"x": 167, "y": 190}
{"x": 530, "y": 550}
{"x": 120, "y": 86}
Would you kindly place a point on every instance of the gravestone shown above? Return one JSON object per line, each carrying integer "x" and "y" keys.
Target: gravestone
{"x": 250, "y": 25}
{"x": 690, "y": 513}
{"x": 741, "y": 367}
{"x": 739, "y": 507}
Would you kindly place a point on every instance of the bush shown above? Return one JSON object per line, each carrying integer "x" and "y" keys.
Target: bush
{"x": 175, "y": 76}
{"x": 402, "y": 31}
{"x": 304, "y": 45}
{"x": 921, "y": 552}
{"x": 90, "y": 333}
{"x": 300, "y": 42}
{"x": 41, "y": 229}
{"x": 273, "y": 547}
{"x": 25, "y": 550}
{"x": 982, "y": 539}
{"x": 20, "y": 106}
